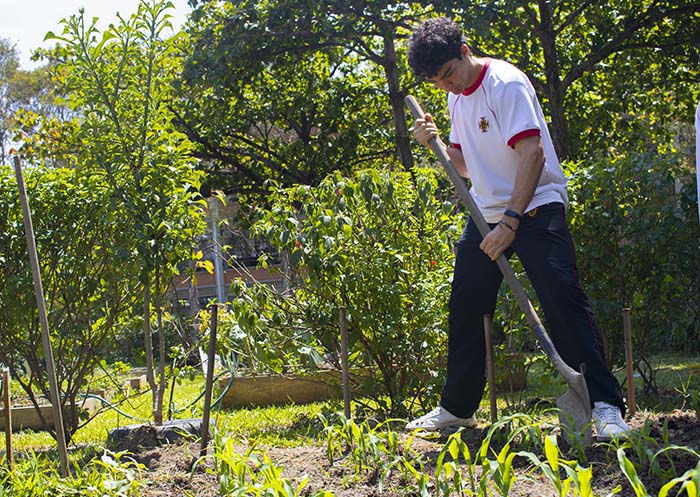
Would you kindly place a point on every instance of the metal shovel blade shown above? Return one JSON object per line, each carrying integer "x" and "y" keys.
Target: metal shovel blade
{"x": 575, "y": 410}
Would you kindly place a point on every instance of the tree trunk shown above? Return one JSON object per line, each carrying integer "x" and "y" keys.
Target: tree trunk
{"x": 558, "y": 126}
{"x": 396, "y": 96}
{"x": 553, "y": 88}
{"x": 158, "y": 409}
{"x": 148, "y": 344}
{"x": 193, "y": 298}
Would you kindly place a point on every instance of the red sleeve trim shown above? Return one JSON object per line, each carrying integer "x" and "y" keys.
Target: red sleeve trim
{"x": 456, "y": 145}
{"x": 523, "y": 134}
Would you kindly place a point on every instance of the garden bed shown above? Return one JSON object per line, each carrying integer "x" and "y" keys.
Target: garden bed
{"x": 29, "y": 418}
{"x": 168, "y": 467}
{"x": 278, "y": 389}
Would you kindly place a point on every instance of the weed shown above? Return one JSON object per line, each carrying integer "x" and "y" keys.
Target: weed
{"x": 691, "y": 397}
{"x": 112, "y": 475}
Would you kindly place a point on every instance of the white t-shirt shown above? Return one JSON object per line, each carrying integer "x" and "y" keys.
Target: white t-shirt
{"x": 500, "y": 108}
{"x": 697, "y": 151}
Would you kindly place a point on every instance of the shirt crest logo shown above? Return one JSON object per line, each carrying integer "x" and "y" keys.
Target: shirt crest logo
{"x": 483, "y": 124}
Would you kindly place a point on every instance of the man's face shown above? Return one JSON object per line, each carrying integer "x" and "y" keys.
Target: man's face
{"x": 453, "y": 75}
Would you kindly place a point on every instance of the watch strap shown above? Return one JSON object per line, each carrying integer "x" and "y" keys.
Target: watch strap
{"x": 513, "y": 214}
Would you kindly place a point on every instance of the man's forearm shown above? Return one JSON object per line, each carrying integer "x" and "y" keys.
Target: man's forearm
{"x": 529, "y": 171}
{"x": 457, "y": 159}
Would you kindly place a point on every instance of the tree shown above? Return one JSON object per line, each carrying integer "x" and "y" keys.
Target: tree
{"x": 120, "y": 82}
{"x": 593, "y": 61}
{"x": 87, "y": 292}
{"x": 9, "y": 63}
{"x": 294, "y": 123}
{"x": 246, "y": 43}
{"x": 26, "y": 99}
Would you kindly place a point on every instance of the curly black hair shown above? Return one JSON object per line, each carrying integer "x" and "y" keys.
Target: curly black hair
{"x": 432, "y": 44}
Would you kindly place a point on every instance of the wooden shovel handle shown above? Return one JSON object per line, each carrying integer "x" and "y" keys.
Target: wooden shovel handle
{"x": 533, "y": 320}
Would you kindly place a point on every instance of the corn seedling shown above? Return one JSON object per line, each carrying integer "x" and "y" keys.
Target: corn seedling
{"x": 334, "y": 442}
{"x": 448, "y": 474}
{"x": 500, "y": 471}
{"x": 643, "y": 447}
{"x": 689, "y": 481}
{"x": 121, "y": 476}
{"x": 253, "y": 474}
{"x": 573, "y": 439}
{"x": 370, "y": 448}
{"x": 232, "y": 468}
{"x": 631, "y": 473}
{"x": 419, "y": 474}
{"x": 552, "y": 465}
{"x": 389, "y": 445}
{"x": 656, "y": 467}
{"x": 521, "y": 428}
{"x": 581, "y": 478}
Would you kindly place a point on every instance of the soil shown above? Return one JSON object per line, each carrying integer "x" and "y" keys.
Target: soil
{"x": 168, "y": 467}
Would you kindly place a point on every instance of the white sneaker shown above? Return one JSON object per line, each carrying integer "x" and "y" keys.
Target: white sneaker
{"x": 438, "y": 419}
{"x": 608, "y": 421}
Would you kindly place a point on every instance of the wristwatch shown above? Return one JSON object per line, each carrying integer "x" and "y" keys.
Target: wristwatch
{"x": 513, "y": 214}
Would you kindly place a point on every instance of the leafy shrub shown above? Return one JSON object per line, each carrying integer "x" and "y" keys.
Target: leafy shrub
{"x": 638, "y": 239}
{"x": 378, "y": 243}
{"x": 84, "y": 278}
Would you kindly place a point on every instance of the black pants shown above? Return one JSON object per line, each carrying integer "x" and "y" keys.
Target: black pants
{"x": 544, "y": 246}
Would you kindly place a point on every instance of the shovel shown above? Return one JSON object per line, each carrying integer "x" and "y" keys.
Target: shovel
{"x": 575, "y": 405}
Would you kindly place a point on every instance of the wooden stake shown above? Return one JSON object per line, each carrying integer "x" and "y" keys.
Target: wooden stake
{"x": 344, "y": 361}
{"x": 213, "y": 323}
{"x": 41, "y": 305}
{"x": 8, "y": 419}
{"x": 627, "y": 321}
{"x": 490, "y": 375}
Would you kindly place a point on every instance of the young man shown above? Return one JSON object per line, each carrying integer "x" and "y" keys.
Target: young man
{"x": 499, "y": 139}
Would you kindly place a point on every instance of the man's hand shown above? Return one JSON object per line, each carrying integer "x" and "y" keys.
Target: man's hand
{"x": 425, "y": 130}
{"x": 499, "y": 238}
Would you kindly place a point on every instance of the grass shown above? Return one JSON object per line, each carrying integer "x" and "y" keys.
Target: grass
{"x": 280, "y": 426}
{"x": 373, "y": 449}
{"x": 296, "y": 425}
{"x": 673, "y": 372}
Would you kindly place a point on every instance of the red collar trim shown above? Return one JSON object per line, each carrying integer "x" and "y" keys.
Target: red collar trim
{"x": 478, "y": 81}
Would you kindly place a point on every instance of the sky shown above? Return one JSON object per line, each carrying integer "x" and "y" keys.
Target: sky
{"x": 25, "y": 22}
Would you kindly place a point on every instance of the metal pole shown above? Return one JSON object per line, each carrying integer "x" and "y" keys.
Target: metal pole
{"x": 209, "y": 379}
{"x": 218, "y": 264}
{"x": 344, "y": 361}
{"x": 8, "y": 419}
{"x": 218, "y": 269}
{"x": 41, "y": 305}
{"x": 490, "y": 375}
{"x": 627, "y": 320}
